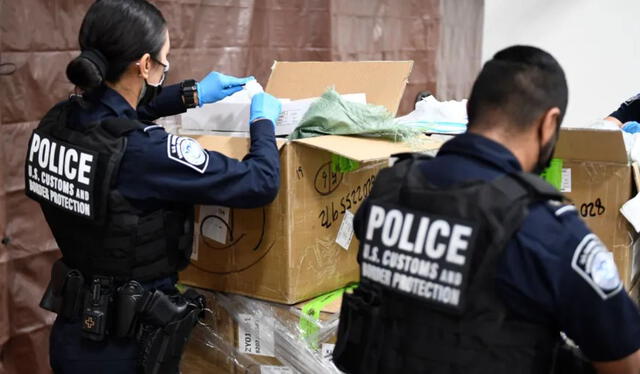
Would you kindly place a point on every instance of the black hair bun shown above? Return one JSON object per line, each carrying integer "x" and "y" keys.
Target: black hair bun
{"x": 84, "y": 73}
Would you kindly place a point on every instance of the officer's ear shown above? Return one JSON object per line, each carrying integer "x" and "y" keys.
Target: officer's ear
{"x": 144, "y": 66}
{"x": 548, "y": 125}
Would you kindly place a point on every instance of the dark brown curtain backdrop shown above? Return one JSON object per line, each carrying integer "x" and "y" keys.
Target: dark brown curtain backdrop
{"x": 241, "y": 37}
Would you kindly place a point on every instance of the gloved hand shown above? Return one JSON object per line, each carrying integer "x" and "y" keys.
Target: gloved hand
{"x": 216, "y": 86}
{"x": 631, "y": 127}
{"x": 265, "y": 106}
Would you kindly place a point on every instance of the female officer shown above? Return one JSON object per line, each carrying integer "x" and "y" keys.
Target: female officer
{"x": 118, "y": 192}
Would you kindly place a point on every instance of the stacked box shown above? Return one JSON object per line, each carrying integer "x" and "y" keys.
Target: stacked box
{"x": 249, "y": 336}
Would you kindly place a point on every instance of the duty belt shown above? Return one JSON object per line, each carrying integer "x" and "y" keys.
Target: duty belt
{"x": 160, "y": 323}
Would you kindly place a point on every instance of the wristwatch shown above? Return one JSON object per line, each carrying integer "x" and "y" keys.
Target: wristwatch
{"x": 188, "y": 93}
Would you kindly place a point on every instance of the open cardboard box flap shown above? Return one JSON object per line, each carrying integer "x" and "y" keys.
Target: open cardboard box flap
{"x": 361, "y": 149}
{"x": 230, "y": 146}
{"x": 382, "y": 81}
{"x": 591, "y": 145}
{"x": 365, "y": 149}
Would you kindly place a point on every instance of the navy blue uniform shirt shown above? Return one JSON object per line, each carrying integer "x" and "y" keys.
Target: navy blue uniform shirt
{"x": 151, "y": 175}
{"x": 535, "y": 276}
{"x": 628, "y": 111}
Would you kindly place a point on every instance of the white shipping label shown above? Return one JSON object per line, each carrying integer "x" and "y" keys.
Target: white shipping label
{"x": 271, "y": 369}
{"x": 215, "y": 221}
{"x": 345, "y": 234}
{"x": 566, "y": 180}
{"x": 256, "y": 337}
{"x": 327, "y": 351}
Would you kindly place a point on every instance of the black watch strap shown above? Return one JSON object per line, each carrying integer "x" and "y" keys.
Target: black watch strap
{"x": 189, "y": 93}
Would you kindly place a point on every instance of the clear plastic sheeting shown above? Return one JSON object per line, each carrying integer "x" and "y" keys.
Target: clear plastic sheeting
{"x": 244, "y": 335}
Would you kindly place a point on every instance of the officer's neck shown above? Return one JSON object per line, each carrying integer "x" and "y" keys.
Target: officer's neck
{"x": 522, "y": 145}
{"x": 129, "y": 88}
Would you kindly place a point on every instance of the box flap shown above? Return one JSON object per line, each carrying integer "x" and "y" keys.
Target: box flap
{"x": 591, "y": 145}
{"x": 230, "y": 146}
{"x": 368, "y": 149}
{"x": 382, "y": 81}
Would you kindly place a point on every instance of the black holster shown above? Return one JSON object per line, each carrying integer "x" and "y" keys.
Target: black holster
{"x": 167, "y": 322}
{"x": 64, "y": 292}
{"x": 128, "y": 300}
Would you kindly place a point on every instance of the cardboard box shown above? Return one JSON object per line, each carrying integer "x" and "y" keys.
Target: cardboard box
{"x": 597, "y": 177}
{"x": 287, "y": 251}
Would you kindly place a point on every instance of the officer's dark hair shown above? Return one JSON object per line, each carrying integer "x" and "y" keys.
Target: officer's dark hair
{"x": 113, "y": 34}
{"x": 519, "y": 83}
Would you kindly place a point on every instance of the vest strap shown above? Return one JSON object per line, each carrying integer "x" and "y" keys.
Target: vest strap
{"x": 121, "y": 126}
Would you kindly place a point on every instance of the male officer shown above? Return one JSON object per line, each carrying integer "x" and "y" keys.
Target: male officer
{"x": 471, "y": 265}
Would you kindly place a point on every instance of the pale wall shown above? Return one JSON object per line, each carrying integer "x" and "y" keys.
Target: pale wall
{"x": 596, "y": 41}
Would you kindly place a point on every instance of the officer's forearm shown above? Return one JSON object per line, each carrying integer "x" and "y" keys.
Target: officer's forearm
{"x": 614, "y": 120}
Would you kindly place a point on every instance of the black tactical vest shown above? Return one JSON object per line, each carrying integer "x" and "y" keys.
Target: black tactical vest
{"x": 427, "y": 300}
{"x": 72, "y": 172}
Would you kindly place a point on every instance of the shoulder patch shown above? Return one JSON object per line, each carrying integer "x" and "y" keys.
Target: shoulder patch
{"x": 188, "y": 152}
{"x": 593, "y": 262}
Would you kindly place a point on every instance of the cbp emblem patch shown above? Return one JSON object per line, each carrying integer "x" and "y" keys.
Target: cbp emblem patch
{"x": 187, "y": 152}
{"x": 595, "y": 264}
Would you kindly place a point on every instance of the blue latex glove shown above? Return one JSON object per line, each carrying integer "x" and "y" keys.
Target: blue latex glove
{"x": 265, "y": 106}
{"x": 631, "y": 127}
{"x": 216, "y": 86}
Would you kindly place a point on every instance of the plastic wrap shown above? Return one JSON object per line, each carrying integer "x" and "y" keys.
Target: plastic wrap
{"x": 289, "y": 338}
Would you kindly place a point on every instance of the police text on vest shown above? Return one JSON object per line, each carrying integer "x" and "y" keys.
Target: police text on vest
{"x": 416, "y": 254}
{"x": 61, "y": 174}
